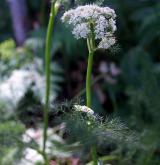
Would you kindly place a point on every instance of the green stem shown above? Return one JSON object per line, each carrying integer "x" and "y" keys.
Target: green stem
{"x": 48, "y": 45}
{"x": 89, "y": 73}
{"x": 94, "y": 155}
{"x": 91, "y": 49}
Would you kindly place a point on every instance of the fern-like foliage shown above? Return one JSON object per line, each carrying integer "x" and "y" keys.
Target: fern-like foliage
{"x": 10, "y": 137}
{"x": 88, "y": 130}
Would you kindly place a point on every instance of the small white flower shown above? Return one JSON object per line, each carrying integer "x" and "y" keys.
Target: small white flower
{"x": 83, "y": 109}
{"x": 112, "y": 24}
{"x": 100, "y": 28}
{"x": 81, "y": 31}
{"x": 92, "y": 18}
{"x": 106, "y": 43}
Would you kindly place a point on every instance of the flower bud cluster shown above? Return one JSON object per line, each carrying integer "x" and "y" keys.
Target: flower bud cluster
{"x": 83, "y": 109}
{"x": 101, "y": 19}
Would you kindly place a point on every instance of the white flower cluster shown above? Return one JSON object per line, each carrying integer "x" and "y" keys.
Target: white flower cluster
{"x": 14, "y": 88}
{"x": 102, "y": 19}
{"x": 84, "y": 109}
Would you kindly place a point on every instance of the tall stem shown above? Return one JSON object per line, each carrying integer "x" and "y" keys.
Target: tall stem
{"x": 91, "y": 49}
{"x": 89, "y": 73}
{"x": 94, "y": 155}
{"x": 47, "y": 72}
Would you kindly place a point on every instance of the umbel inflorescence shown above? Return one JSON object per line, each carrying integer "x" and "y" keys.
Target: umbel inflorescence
{"x": 88, "y": 19}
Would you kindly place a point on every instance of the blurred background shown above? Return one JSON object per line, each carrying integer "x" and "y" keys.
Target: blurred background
{"x": 126, "y": 78}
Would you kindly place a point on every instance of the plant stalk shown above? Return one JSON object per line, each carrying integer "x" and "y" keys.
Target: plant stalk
{"x": 48, "y": 45}
{"x": 94, "y": 155}
{"x": 91, "y": 49}
{"x": 89, "y": 74}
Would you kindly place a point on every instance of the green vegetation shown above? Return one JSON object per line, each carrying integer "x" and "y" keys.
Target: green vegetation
{"x": 45, "y": 78}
